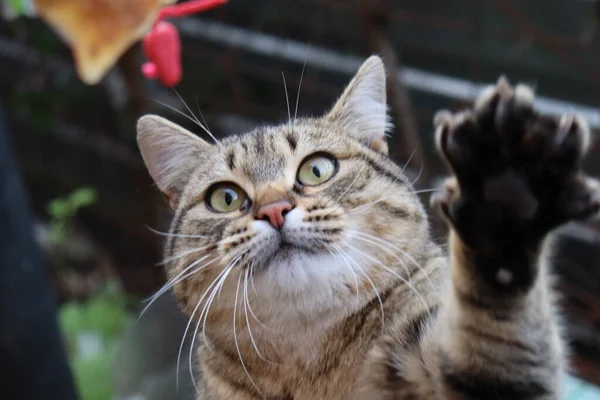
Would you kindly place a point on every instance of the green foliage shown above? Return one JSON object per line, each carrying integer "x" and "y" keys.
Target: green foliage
{"x": 17, "y": 6}
{"x": 63, "y": 209}
{"x": 104, "y": 317}
{"x": 107, "y": 316}
{"x": 92, "y": 377}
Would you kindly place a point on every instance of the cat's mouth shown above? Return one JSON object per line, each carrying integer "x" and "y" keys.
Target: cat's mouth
{"x": 285, "y": 252}
{"x": 287, "y": 249}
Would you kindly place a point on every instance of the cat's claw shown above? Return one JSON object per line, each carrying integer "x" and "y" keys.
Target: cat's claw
{"x": 515, "y": 171}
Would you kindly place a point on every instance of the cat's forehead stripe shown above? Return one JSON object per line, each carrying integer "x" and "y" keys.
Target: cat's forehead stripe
{"x": 258, "y": 156}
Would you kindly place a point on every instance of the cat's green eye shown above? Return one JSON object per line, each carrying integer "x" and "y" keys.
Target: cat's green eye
{"x": 226, "y": 197}
{"x": 316, "y": 169}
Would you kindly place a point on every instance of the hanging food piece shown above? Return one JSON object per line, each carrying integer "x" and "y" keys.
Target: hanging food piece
{"x": 99, "y": 31}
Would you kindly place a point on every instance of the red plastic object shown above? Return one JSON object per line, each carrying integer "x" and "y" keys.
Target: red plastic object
{"x": 163, "y": 49}
{"x": 162, "y": 44}
{"x": 187, "y": 8}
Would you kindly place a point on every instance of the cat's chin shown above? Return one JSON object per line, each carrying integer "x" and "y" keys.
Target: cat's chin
{"x": 285, "y": 253}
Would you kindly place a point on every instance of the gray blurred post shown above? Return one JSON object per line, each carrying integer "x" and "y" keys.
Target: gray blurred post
{"x": 32, "y": 359}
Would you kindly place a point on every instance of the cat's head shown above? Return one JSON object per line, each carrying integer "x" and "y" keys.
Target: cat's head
{"x": 306, "y": 216}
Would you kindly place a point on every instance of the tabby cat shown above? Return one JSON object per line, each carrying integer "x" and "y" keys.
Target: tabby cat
{"x": 304, "y": 258}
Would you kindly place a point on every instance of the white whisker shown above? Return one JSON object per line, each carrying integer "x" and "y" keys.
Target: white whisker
{"x": 418, "y": 176}
{"x": 426, "y": 190}
{"x": 204, "y": 312}
{"x": 299, "y": 88}
{"x": 394, "y": 273}
{"x": 174, "y": 281}
{"x": 235, "y": 339}
{"x": 246, "y": 303}
{"x": 187, "y": 328}
{"x": 256, "y": 293}
{"x": 375, "y": 240}
{"x": 287, "y": 99}
{"x": 252, "y": 278}
{"x": 362, "y": 271}
{"x": 339, "y": 251}
{"x": 207, "y": 305}
{"x": 202, "y": 116}
{"x": 409, "y": 160}
{"x": 209, "y": 301}
{"x": 185, "y": 253}
{"x": 195, "y": 119}
{"x": 177, "y": 235}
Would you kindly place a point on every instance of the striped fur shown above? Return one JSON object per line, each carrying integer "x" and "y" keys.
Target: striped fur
{"x": 352, "y": 299}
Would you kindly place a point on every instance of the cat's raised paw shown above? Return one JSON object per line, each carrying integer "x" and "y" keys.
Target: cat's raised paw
{"x": 517, "y": 173}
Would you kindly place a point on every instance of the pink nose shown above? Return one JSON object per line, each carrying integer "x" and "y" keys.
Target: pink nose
{"x": 275, "y": 213}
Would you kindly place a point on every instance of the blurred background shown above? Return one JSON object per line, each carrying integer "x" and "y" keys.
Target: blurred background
{"x": 78, "y": 253}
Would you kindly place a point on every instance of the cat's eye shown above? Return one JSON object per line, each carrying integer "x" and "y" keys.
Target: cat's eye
{"x": 226, "y": 197}
{"x": 316, "y": 169}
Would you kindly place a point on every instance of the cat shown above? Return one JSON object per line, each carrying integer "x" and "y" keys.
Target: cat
{"x": 304, "y": 258}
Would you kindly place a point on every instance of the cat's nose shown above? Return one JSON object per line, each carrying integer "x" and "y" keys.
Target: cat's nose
{"x": 275, "y": 213}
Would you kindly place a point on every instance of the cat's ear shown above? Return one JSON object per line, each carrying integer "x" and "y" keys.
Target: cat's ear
{"x": 363, "y": 105}
{"x": 169, "y": 152}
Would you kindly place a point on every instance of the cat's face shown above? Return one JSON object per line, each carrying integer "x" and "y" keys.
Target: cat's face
{"x": 303, "y": 217}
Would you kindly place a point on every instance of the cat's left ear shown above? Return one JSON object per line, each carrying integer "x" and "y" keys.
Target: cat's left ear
{"x": 363, "y": 108}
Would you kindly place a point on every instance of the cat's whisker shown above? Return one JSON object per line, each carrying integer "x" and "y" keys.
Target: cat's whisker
{"x": 359, "y": 235}
{"x": 426, "y": 190}
{"x": 216, "y": 292}
{"x": 187, "y": 328}
{"x": 252, "y": 278}
{"x": 186, "y": 253}
{"x": 408, "y": 161}
{"x": 246, "y": 303}
{"x": 299, "y": 88}
{"x": 174, "y": 281}
{"x": 256, "y": 294}
{"x": 339, "y": 251}
{"x": 176, "y": 235}
{"x": 418, "y": 176}
{"x": 375, "y": 240}
{"x": 184, "y": 115}
{"x": 202, "y": 116}
{"x": 287, "y": 99}
{"x": 204, "y": 128}
{"x": 195, "y": 335}
{"x": 235, "y": 338}
{"x": 394, "y": 273}
{"x": 362, "y": 271}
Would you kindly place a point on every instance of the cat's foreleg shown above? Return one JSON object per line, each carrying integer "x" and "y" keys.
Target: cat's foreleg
{"x": 516, "y": 177}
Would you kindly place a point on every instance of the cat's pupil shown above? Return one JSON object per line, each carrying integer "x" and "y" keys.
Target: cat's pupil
{"x": 316, "y": 171}
{"x": 228, "y": 198}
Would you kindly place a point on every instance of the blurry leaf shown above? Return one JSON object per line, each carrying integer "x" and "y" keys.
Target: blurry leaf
{"x": 59, "y": 209}
{"x": 106, "y": 317}
{"x": 58, "y": 232}
{"x": 99, "y": 31}
{"x": 17, "y": 6}
{"x": 82, "y": 197}
{"x": 92, "y": 376}
{"x": 72, "y": 319}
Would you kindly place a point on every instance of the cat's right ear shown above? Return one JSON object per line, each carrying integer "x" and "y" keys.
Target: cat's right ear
{"x": 169, "y": 152}
{"x": 363, "y": 105}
